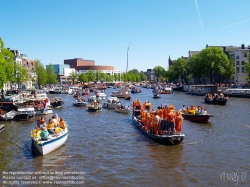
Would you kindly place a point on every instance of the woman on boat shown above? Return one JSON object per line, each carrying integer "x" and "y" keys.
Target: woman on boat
{"x": 44, "y": 134}
{"x": 62, "y": 123}
{"x": 178, "y": 122}
{"x": 51, "y": 126}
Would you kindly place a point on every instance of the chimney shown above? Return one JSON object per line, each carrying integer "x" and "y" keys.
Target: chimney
{"x": 242, "y": 46}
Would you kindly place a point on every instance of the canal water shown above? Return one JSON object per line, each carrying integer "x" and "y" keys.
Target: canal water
{"x": 106, "y": 149}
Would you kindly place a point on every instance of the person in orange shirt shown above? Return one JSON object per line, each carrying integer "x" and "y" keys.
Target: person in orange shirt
{"x": 62, "y": 123}
{"x": 171, "y": 120}
{"x": 178, "y": 122}
{"x": 164, "y": 115}
{"x": 51, "y": 126}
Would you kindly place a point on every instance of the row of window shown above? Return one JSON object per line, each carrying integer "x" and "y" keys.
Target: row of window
{"x": 238, "y": 63}
{"x": 242, "y": 70}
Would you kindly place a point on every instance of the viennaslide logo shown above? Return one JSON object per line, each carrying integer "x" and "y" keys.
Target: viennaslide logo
{"x": 237, "y": 176}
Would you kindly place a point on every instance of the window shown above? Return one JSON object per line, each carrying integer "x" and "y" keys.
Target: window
{"x": 237, "y": 57}
{"x": 238, "y": 62}
{"x": 242, "y": 70}
{"x": 238, "y": 69}
{"x": 242, "y": 62}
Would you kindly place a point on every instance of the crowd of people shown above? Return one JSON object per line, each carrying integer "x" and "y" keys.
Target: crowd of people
{"x": 53, "y": 127}
{"x": 163, "y": 120}
{"x": 194, "y": 110}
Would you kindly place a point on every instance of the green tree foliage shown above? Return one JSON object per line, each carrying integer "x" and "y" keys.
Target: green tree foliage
{"x": 134, "y": 71}
{"x": 159, "y": 72}
{"x": 102, "y": 76}
{"x": 247, "y": 67}
{"x": 107, "y": 77}
{"x": 6, "y": 65}
{"x": 51, "y": 75}
{"x": 91, "y": 75}
{"x": 97, "y": 74}
{"x": 143, "y": 76}
{"x": 116, "y": 77}
{"x": 83, "y": 78}
{"x": 214, "y": 61}
{"x": 41, "y": 73}
{"x": 73, "y": 77}
{"x": 196, "y": 67}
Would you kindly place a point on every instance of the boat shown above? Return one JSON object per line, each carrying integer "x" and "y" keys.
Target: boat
{"x": 217, "y": 99}
{"x": 198, "y": 118}
{"x": 177, "y": 88}
{"x": 200, "y": 90}
{"x": 100, "y": 96}
{"x": 111, "y": 103}
{"x": 123, "y": 109}
{"x": 164, "y": 139}
{"x": 1, "y": 128}
{"x": 136, "y": 90}
{"x": 237, "y": 92}
{"x": 166, "y": 90}
{"x": 94, "y": 107}
{"x": 54, "y": 141}
{"x": 128, "y": 97}
{"x": 79, "y": 103}
{"x": 40, "y": 101}
{"x": 156, "y": 96}
{"x": 57, "y": 90}
{"x": 56, "y": 102}
{"x": 25, "y": 112}
{"x": 8, "y": 115}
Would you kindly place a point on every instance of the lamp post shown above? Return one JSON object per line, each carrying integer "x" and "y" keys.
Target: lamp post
{"x": 127, "y": 59}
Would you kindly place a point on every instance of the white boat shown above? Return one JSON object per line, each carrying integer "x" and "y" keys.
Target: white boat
{"x": 111, "y": 103}
{"x": 100, "y": 96}
{"x": 71, "y": 91}
{"x": 53, "y": 142}
{"x": 123, "y": 110}
{"x": 25, "y": 112}
{"x": 1, "y": 128}
{"x": 237, "y": 92}
{"x": 8, "y": 115}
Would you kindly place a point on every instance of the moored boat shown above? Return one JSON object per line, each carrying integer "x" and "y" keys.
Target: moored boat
{"x": 25, "y": 113}
{"x": 237, "y": 92}
{"x": 8, "y": 115}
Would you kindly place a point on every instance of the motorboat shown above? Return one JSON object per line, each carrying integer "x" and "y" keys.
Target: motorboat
{"x": 237, "y": 92}
{"x": 56, "y": 102}
{"x": 123, "y": 109}
{"x": 94, "y": 107}
{"x": 111, "y": 103}
{"x": 79, "y": 103}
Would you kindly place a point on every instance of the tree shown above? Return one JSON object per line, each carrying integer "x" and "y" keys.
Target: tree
{"x": 51, "y": 75}
{"x": 247, "y": 67}
{"x": 73, "y": 76}
{"x": 102, "y": 76}
{"x": 91, "y": 76}
{"x": 214, "y": 60}
{"x": 196, "y": 67}
{"x": 115, "y": 77}
{"x": 40, "y": 72}
{"x": 135, "y": 71}
{"x": 6, "y": 64}
{"x": 97, "y": 74}
{"x": 143, "y": 76}
{"x": 159, "y": 72}
{"x": 83, "y": 78}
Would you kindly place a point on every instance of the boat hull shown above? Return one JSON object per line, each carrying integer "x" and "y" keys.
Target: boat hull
{"x": 80, "y": 104}
{"x": 124, "y": 111}
{"x": 215, "y": 101}
{"x": 163, "y": 139}
{"x": 197, "y": 118}
{"x": 49, "y": 146}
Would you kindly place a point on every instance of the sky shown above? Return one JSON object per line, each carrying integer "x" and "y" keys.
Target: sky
{"x": 144, "y": 33}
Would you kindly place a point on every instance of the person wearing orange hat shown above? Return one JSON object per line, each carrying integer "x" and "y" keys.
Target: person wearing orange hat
{"x": 178, "y": 122}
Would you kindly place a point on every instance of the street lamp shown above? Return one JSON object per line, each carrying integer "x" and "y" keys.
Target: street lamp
{"x": 127, "y": 59}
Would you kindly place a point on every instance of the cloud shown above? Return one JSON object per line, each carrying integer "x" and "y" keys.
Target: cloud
{"x": 232, "y": 25}
{"x": 198, "y": 11}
